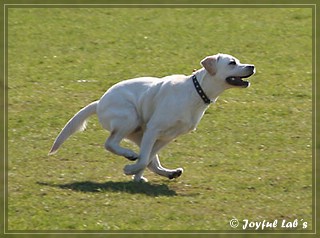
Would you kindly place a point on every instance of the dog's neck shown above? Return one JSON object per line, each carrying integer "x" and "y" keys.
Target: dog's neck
{"x": 212, "y": 88}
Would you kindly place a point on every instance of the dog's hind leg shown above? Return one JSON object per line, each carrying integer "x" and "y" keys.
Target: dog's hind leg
{"x": 118, "y": 132}
{"x": 120, "y": 118}
{"x": 113, "y": 145}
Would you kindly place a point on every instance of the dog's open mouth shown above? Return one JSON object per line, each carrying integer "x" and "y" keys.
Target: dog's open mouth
{"x": 238, "y": 81}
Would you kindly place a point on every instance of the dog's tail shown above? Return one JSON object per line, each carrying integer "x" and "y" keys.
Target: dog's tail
{"x": 76, "y": 123}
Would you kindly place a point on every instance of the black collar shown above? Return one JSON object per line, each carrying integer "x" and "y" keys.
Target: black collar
{"x": 200, "y": 91}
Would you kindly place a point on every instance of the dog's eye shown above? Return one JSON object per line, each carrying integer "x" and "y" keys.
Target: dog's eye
{"x": 232, "y": 63}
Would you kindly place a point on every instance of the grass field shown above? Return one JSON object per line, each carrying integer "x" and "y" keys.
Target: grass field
{"x": 250, "y": 158}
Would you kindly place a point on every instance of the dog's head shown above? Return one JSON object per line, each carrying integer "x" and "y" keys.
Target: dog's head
{"x": 228, "y": 69}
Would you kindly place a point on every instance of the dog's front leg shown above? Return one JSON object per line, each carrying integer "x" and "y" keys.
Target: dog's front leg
{"x": 148, "y": 140}
{"x": 156, "y": 167}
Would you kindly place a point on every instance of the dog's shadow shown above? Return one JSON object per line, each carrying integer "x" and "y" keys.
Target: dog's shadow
{"x": 126, "y": 187}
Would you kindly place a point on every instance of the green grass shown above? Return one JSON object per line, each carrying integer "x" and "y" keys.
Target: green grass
{"x": 250, "y": 158}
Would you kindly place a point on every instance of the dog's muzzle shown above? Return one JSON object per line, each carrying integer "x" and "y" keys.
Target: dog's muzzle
{"x": 238, "y": 80}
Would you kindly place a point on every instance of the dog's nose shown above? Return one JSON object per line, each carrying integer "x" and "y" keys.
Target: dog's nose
{"x": 251, "y": 67}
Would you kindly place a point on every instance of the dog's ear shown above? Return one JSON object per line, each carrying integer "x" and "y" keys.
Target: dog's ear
{"x": 209, "y": 63}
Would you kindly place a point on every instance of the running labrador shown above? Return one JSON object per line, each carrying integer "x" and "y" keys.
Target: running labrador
{"x": 151, "y": 112}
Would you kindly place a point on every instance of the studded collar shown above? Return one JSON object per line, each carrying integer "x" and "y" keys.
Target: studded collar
{"x": 200, "y": 91}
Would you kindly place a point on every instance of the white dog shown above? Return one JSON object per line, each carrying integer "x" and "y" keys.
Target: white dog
{"x": 151, "y": 112}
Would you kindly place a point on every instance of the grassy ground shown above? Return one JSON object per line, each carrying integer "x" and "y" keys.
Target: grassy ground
{"x": 251, "y": 157}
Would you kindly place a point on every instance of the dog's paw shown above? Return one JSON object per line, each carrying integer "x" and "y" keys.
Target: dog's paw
{"x": 177, "y": 173}
{"x": 128, "y": 170}
{"x": 139, "y": 179}
{"x": 132, "y": 157}
{"x": 131, "y": 169}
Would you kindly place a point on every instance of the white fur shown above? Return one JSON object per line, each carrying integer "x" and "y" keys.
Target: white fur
{"x": 151, "y": 112}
